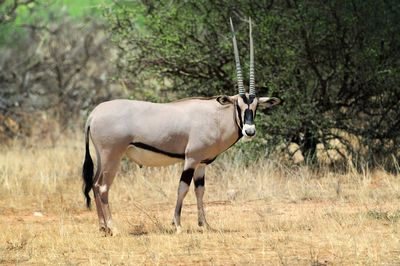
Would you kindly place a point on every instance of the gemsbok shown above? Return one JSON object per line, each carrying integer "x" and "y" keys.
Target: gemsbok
{"x": 193, "y": 131}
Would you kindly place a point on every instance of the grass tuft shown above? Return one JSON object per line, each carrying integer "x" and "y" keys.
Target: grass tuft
{"x": 264, "y": 213}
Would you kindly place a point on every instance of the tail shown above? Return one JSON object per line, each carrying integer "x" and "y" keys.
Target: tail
{"x": 87, "y": 171}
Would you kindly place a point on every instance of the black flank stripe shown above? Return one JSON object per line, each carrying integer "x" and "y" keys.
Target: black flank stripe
{"x": 208, "y": 161}
{"x": 154, "y": 149}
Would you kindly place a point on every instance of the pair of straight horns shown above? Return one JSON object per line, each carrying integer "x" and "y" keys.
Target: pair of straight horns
{"x": 252, "y": 89}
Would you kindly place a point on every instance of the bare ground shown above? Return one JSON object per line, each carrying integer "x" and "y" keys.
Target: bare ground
{"x": 262, "y": 215}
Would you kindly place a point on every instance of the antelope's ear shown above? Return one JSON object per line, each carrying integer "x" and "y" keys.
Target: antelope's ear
{"x": 223, "y": 100}
{"x": 268, "y": 102}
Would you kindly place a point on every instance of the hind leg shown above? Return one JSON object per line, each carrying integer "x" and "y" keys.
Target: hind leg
{"x": 96, "y": 193}
{"x": 100, "y": 213}
{"x": 109, "y": 167}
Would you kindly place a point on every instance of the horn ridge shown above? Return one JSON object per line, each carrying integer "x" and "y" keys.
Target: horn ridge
{"x": 237, "y": 61}
{"x": 252, "y": 89}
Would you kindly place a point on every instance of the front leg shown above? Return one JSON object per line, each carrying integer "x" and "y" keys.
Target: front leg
{"x": 199, "y": 181}
{"x": 184, "y": 183}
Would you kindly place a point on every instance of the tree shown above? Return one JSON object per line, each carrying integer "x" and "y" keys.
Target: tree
{"x": 335, "y": 64}
{"x": 55, "y": 71}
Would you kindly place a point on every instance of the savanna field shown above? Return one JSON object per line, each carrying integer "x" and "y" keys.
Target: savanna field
{"x": 319, "y": 185}
{"x": 265, "y": 213}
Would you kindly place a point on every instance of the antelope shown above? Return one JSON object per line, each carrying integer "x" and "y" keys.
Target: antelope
{"x": 193, "y": 131}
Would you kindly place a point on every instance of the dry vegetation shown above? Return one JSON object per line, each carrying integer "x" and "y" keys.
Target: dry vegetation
{"x": 264, "y": 214}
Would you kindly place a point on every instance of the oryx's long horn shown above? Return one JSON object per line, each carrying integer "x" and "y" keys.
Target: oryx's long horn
{"x": 238, "y": 68}
{"x": 252, "y": 88}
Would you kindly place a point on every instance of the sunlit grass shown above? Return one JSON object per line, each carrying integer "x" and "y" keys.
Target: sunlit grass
{"x": 266, "y": 213}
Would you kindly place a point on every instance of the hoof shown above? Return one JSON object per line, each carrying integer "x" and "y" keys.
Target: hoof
{"x": 178, "y": 230}
{"x": 107, "y": 231}
{"x": 204, "y": 226}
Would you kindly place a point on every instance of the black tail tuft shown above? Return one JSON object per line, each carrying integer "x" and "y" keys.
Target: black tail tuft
{"x": 87, "y": 172}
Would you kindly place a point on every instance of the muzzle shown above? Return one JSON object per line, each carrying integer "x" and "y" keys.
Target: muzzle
{"x": 248, "y": 131}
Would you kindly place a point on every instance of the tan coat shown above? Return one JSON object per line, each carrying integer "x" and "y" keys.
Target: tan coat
{"x": 200, "y": 129}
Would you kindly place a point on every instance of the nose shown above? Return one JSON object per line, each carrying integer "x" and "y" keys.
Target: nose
{"x": 250, "y": 132}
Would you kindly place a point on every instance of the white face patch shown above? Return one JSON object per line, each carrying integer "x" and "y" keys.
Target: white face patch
{"x": 248, "y": 131}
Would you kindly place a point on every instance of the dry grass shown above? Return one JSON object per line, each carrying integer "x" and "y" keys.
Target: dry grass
{"x": 265, "y": 214}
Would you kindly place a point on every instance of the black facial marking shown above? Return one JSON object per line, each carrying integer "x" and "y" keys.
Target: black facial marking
{"x": 248, "y": 117}
{"x": 251, "y": 99}
{"x": 199, "y": 182}
{"x": 187, "y": 176}
{"x": 154, "y": 149}
{"x": 244, "y": 98}
{"x": 240, "y": 135}
{"x": 239, "y": 111}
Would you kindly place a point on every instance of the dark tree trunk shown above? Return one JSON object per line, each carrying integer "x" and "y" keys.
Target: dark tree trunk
{"x": 309, "y": 147}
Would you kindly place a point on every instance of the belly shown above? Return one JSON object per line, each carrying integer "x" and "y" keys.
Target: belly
{"x": 150, "y": 158}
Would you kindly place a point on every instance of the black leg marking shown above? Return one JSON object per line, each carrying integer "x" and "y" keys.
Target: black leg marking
{"x": 199, "y": 182}
{"x": 187, "y": 176}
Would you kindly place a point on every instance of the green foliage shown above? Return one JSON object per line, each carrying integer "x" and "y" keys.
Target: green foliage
{"x": 336, "y": 65}
{"x": 21, "y": 14}
{"x": 54, "y": 62}
{"x": 248, "y": 153}
{"x": 181, "y": 43}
